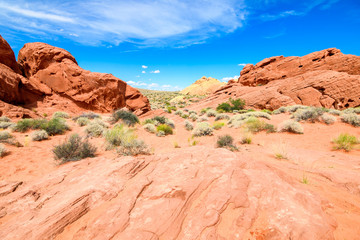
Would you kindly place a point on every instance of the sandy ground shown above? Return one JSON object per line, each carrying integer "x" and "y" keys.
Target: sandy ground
{"x": 334, "y": 175}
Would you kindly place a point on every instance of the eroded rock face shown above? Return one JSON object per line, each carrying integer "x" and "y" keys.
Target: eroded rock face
{"x": 51, "y": 70}
{"x": 324, "y": 79}
{"x": 198, "y": 193}
{"x": 7, "y": 56}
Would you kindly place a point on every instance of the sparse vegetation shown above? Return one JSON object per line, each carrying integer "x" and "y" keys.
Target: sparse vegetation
{"x": 291, "y": 126}
{"x": 165, "y": 128}
{"x": 246, "y": 138}
{"x": 255, "y": 125}
{"x": 82, "y": 121}
{"x": 150, "y": 127}
{"x": 218, "y": 125}
{"x": 305, "y": 180}
{"x": 74, "y": 149}
{"x": 351, "y": 118}
{"x": 222, "y": 116}
{"x": 233, "y": 104}
{"x": 95, "y": 129}
{"x": 345, "y": 142}
{"x": 3, "y": 150}
{"x": 39, "y": 135}
{"x": 203, "y": 119}
{"x": 88, "y": 115}
{"x": 4, "y": 119}
{"x": 188, "y": 125}
{"x": 193, "y": 117}
{"x": 211, "y": 113}
{"x": 328, "y": 119}
{"x": 60, "y": 115}
{"x": 126, "y": 117}
{"x": 202, "y": 129}
{"x": 280, "y": 150}
{"x": 311, "y": 114}
{"x": 226, "y": 141}
{"x": 55, "y": 126}
{"x": 4, "y": 136}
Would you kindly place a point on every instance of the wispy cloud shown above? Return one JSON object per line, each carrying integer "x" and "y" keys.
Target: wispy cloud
{"x": 226, "y": 79}
{"x": 156, "y": 71}
{"x": 143, "y": 72}
{"x": 154, "y": 86}
{"x": 141, "y": 22}
{"x": 143, "y": 66}
{"x": 242, "y": 64}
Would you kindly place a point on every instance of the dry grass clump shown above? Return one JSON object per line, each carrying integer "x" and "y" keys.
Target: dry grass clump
{"x": 351, "y": 118}
{"x": 39, "y": 135}
{"x": 202, "y": 129}
{"x": 291, "y": 126}
{"x": 218, "y": 125}
{"x": 3, "y": 150}
{"x": 193, "y": 117}
{"x": 60, "y": 115}
{"x": 280, "y": 150}
{"x": 82, "y": 121}
{"x": 95, "y": 128}
{"x": 345, "y": 141}
{"x": 328, "y": 119}
{"x": 254, "y": 125}
{"x": 311, "y": 114}
{"x": 211, "y": 113}
{"x": 151, "y": 128}
{"x": 222, "y": 116}
{"x": 203, "y": 119}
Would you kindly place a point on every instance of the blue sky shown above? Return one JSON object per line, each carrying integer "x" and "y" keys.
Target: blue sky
{"x": 168, "y": 44}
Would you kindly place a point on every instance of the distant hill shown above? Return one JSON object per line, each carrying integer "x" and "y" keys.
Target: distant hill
{"x": 203, "y": 86}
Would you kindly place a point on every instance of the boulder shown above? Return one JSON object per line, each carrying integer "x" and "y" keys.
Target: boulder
{"x": 54, "y": 71}
{"x": 194, "y": 193}
{"x": 7, "y": 56}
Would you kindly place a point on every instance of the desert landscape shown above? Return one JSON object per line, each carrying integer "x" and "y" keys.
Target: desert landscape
{"x": 271, "y": 153}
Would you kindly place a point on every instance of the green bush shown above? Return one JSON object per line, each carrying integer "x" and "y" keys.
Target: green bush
{"x": 232, "y": 105}
{"x": 224, "y": 107}
{"x": 160, "y": 119}
{"x": 351, "y": 118}
{"x": 225, "y": 141}
{"x": 73, "y": 149}
{"x": 255, "y": 125}
{"x": 218, "y": 125}
{"x": 127, "y": 117}
{"x": 202, "y": 129}
{"x": 94, "y": 129}
{"x": 165, "y": 128}
{"x": 345, "y": 141}
{"x": 23, "y": 125}
{"x": 291, "y": 126}
{"x": 119, "y": 135}
{"x": 133, "y": 148}
{"x": 308, "y": 114}
{"x": 60, "y": 115}
{"x": 39, "y": 135}
{"x": 55, "y": 126}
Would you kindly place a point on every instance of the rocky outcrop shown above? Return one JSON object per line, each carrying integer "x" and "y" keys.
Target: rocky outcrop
{"x": 52, "y": 79}
{"x": 203, "y": 86}
{"x": 190, "y": 194}
{"x": 324, "y": 79}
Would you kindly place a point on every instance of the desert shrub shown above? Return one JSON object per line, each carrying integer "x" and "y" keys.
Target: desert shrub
{"x": 351, "y": 118}
{"x": 23, "y": 125}
{"x": 334, "y": 112}
{"x": 82, "y": 121}
{"x": 267, "y": 111}
{"x": 237, "y": 121}
{"x": 88, "y": 115}
{"x": 192, "y": 112}
{"x": 185, "y": 116}
{"x": 294, "y": 108}
{"x": 211, "y": 113}
{"x": 126, "y": 117}
{"x": 179, "y": 112}
{"x": 160, "y": 119}
{"x": 3, "y": 150}
{"x": 291, "y": 126}
{"x": 4, "y": 135}
{"x": 5, "y": 125}
{"x": 73, "y": 149}
{"x": 345, "y": 141}
{"x": 280, "y": 110}
{"x": 255, "y": 125}
{"x": 327, "y": 118}
{"x": 118, "y": 135}
{"x": 133, "y": 148}
{"x": 38, "y": 123}
{"x": 94, "y": 129}
{"x": 352, "y": 110}
{"x": 170, "y": 122}
{"x": 246, "y": 138}
{"x": 55, "y": 126}
{"x": 39, "y": 135}
{"x": 202, "y": 129}
{"x": 232, "y": 105}
{"x": 218, "y": 125}
{"x": 160, "y": 134}
{"x": 148, "y": 120}
{"x": 311, "y": 114}
{"x": 150, "y": 127}
{"x": 193, "y": 117}
{"x": 60, "y": 115}
{"x": 4, "y": 119}
{"x": 226, "y": 141}
{"x": 222, "y": 116}
{"x": 165, "y": 128}
{"x": 203, "y": 119}
{"x": 188, "y": 125}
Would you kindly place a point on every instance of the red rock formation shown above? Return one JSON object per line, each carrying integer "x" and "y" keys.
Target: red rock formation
{"x": 324, "y": 79}
{"x": 54, "y": 81}
{"x": 189, "y": 194}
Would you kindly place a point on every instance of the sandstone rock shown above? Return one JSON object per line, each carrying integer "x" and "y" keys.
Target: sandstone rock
{"x": 54, "y": 71}
{"x": 12, "y": 111}
{"x": 197, "y": 193}
{"x": 7, "y": 56}
{"x": 203, "y": 86}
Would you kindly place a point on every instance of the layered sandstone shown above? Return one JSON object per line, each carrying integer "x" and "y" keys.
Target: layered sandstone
{"x": 203, "y": 86}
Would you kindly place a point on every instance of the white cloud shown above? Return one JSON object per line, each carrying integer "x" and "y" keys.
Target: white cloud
{"x": 143, "y": 72}
{"x": 242, "y": 64}
{"x": 136, "y": 84}
{"x": 154, "y": 86}
{"x": 225, "y": 79}
{"x": 143, "y": 66}
{"x": 166, "y": 86}
{"x": 141, "y": 22}
{"x": 156, "y": 71}
{"x": 138, "y": 76}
